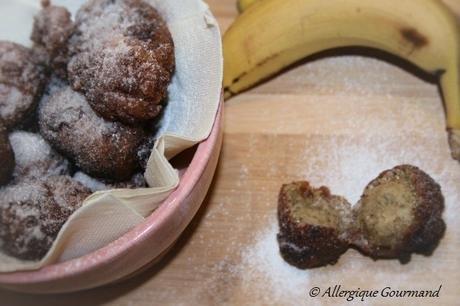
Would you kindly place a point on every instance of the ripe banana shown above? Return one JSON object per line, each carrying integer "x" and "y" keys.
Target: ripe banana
{"x": 272, "y": 34}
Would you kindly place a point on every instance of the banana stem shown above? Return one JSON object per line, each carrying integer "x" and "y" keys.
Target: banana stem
{"x": 454, "y": 142}
{"x": 450, "y": 85}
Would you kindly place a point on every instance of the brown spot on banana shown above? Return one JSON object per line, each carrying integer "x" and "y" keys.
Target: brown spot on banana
{"x": 227, "y": 89}
{"x": 414, "y": 37}
{"x": 267, "y": 59}
{"x": 237, "y": 79}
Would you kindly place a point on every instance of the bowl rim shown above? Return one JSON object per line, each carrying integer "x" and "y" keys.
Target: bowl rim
{"x": 119, "y": 247}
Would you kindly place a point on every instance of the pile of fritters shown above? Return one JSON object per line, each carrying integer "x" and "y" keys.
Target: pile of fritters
{"x": 77, "y": 107}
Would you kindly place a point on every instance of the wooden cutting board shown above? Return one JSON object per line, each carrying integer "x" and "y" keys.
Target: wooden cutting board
{"x": 336, "y": 121}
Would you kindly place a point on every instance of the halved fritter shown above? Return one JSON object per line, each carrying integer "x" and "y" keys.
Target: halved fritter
{"x": 313, "y": 225}
{"x": 399, "y": 213}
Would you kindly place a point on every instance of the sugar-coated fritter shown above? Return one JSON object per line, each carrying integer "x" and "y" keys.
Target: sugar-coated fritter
{"x": 21, "y": 83}
{"x": 313, "y": 225}
{"x": 399, "y": 213}
{"x": 122, "y": 59}
{"x": 101, "y": 148}
{"x": 32, "y": 214}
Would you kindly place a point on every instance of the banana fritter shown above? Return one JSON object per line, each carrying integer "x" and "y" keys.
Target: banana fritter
{"x": 313, "y": 225}
{"x": 100, "y": 148}
{"x": 32, "y": 213}
{"x": 122, "y": 59}
{"x": 21, "y": 83}
{"x": 399, "y": 213}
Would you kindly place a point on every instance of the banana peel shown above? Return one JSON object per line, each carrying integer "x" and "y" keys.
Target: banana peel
{"x": 271, "y": 35}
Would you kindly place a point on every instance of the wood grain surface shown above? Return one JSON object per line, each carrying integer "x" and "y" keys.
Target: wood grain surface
{"x": 337, "y": 120}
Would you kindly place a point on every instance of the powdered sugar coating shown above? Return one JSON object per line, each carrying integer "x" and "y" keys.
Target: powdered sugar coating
{"x": 32, "y": 213}
{"x": 89, "y": 182}
{"x": 137, "y": 181}
{"x": 122, "y": 59}
{"x": 35, "y": 159}
{"x": 100, "y": 148}
{"x": 21, "y": 82}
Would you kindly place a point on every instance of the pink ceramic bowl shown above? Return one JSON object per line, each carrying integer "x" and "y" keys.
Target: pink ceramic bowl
{"x": 140, "y": 246}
